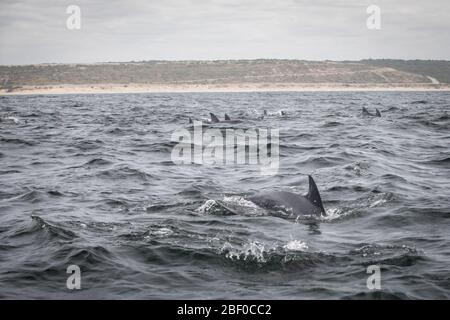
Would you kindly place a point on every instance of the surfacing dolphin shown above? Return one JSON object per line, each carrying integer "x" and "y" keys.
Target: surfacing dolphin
{"x": 214, "y": 119}
{"x": 366, "y": 113}
{"x": 311, "y": 204}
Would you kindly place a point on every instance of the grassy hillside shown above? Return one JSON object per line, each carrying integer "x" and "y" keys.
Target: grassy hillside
{"x": 438, "y": 69}
{"x": 226, "y": 72}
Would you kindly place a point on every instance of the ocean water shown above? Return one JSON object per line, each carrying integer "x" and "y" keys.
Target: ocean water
{"x": 88, "y": 180}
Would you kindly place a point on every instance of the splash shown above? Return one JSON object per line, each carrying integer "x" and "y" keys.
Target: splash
{"x": 262, "y": 252}
{"x": 335, "y": 214}
{"x": 253, "y": 251}
{"x": 296, "y": 245}
{"x": 241, "y": 201}
{"x": 210, "y": 207}
{"x": 231, "y": 205}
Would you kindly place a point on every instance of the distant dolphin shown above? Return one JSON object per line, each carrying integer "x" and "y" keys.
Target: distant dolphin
{"x": 366, "y": 113}
{"x": 190, "y": 120}
{"x": 214, "y": 119}
{"x": 311, "y": 204}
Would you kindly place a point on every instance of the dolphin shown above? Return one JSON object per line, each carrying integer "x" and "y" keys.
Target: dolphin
{"x": 366, "y": 113}
{"x": 311, "y": 204}
{"x": 214, "y": 119}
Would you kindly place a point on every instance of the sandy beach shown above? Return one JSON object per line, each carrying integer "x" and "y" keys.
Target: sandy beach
{"x": 232, "y": 87}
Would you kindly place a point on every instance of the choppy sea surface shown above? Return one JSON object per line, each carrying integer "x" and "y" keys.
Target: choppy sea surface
{"x": 88, "y": 180}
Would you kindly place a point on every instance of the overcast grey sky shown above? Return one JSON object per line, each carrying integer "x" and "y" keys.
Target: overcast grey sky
{"x": 34, "y": 31}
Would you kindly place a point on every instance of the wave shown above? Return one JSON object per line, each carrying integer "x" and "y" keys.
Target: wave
{"x": 444, "y": 161}
{"x": 124, "y": 172}
{"x": 332, "y": 124}
{"x": 393, "y": 255}
{"x": 86, "y": 145}
{"x": 97, "y": 162}
{"x": 18, "y": 141}
{"x": 420, "y": 102}
{"x": 40, "y": 227}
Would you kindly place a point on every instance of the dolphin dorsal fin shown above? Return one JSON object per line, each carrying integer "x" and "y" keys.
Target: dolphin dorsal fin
{"x": 377, "y": 113}
{"x": 314, "y": 195}
{"x": 227, "y": 117}
{"x": 364, "y": 110}
{"x": 214, "y": 119}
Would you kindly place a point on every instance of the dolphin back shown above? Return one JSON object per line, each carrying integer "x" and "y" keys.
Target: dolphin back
{"x": 285, "y": 201}
{"x": 311, "y": 204}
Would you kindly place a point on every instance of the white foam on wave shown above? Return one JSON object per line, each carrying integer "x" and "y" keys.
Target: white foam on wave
{"x": 260, "y": 251}
{"x": 296, "y": 245}
{"x": 249, "y": 251}
{"x": 335, "y": 214}
{"x": 11, "y": 118}
{"x": 160, "y": 232}
{"x": 380, "y": 199}
{"x": 207, "y": 206}
{"x": 231, "y": 204}
{"x": 332, "y": 214}
{"x": 240, "y": 201}
{"x": 163, "y": 232}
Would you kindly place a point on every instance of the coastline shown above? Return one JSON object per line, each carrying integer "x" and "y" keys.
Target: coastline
{"x": 230, "y": 87}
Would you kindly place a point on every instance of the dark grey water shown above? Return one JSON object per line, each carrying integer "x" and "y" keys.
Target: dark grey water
{"x": 87, "y": 180}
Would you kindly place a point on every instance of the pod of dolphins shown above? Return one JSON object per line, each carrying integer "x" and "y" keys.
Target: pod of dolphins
{"x": 310, "y": 204}
{"x": 307, "y": 205}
